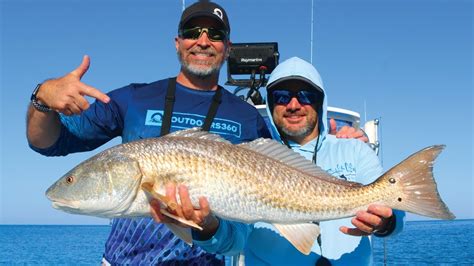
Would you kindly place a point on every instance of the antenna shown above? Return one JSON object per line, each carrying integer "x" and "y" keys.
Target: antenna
{"x": 312, "y": 22}
{"x": 184, "y": 4}
{"x": 365, "y": 111}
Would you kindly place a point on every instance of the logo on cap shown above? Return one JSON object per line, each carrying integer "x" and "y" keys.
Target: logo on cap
{"x": 218, "y": 12}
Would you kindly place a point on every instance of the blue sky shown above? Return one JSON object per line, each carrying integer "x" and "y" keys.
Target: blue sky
{"x": 407, "y": 62}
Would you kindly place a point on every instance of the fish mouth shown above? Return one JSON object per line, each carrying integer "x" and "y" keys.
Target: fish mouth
{"x": 61, "y": 204}
{"x": 69, "y": 206}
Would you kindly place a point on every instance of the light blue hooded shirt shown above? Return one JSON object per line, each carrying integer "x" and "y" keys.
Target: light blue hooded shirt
{"x": 348, "y": 159}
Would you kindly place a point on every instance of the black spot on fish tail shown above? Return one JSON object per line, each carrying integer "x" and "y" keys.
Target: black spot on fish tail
{"x": 412, "y": 186}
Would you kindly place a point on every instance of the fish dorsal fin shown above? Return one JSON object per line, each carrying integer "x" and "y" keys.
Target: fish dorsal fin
{"x": 282, "y": 153}
{"x": 301, "y": 236}
{"x": 197, "y": 133}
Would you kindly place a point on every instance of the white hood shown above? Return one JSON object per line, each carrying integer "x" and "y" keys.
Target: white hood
{"x": 297, "y": 68}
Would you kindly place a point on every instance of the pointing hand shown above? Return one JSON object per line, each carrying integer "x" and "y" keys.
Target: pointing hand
{"x": 67, "y": 94}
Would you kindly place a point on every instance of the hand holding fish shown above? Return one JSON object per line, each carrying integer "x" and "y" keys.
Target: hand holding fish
{"x": 201, "y": 216}
{"x": 375, "y": 219}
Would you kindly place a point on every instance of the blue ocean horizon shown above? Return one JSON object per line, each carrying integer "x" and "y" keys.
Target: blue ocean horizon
{"x": 420, "y": 243}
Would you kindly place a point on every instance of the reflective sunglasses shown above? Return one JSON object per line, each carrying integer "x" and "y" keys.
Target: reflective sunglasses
{"x": 303, "y": 97}
{"x": 214, "y": 35}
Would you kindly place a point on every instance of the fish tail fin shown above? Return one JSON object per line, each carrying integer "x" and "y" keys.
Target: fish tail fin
{"x": 415, "y": 186}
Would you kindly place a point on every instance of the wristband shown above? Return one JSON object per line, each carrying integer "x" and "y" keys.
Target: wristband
{"x": 36, "y": 104}
{"x": 389, "y": 227}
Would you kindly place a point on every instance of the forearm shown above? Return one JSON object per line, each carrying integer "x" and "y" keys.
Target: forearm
{"x": 43, "y": 128}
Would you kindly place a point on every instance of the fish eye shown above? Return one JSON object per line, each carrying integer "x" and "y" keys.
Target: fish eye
{"x": 70, "y": 179}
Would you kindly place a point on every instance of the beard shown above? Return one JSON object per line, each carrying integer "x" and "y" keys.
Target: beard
{"x": 301, "y": 132}
{"x": 200, "y": 68}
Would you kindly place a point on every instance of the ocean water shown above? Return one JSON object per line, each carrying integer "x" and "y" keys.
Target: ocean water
{"x": 429, "y": 243}
{"x": 421, "y": 243}
{"x": 52, "y": 244}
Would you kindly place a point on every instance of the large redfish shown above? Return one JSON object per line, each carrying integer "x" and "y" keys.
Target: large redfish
{"x": 250, "y": 182}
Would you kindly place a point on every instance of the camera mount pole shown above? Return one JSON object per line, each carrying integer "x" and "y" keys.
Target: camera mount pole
{"x": 254, "y": 93}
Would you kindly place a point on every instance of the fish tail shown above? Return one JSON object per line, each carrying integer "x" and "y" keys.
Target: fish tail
{"x": 414, "y": 185}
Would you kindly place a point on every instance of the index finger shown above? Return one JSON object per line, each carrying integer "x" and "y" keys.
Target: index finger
{"x": 352, "y": 231}
{"x": 95, "y": 93}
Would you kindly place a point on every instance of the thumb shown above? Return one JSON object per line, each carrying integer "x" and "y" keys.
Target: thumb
{"x": 332, "y": 126}
{"x": 82, "y": 69}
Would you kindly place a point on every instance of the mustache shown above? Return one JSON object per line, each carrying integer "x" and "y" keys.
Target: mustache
{"x": 294, "y": 112}
{"x": 209, "y": 50}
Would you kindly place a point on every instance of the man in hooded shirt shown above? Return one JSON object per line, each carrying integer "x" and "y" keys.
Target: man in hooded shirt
{"x": 297, "y": 103}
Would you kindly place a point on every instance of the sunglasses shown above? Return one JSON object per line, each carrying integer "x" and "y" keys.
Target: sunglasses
{"x": 303, "y": 97}
{"x": 195, "y": 33}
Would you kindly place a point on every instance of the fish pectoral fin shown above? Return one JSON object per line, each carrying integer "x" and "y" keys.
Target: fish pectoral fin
{"x": 182, "y": 233}
{"x": 181, "y": 220}
{"x": 301, "y": 236}
{"x": 148, "y": 188}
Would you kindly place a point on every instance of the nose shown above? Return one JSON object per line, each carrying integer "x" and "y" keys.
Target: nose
{"x": 203, "y": 40}
{"x": 293, "y": 104}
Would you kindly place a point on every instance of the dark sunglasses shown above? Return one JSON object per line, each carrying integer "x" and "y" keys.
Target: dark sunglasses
{"x": 214, "y": 35}
{"x": 303, "y": 97}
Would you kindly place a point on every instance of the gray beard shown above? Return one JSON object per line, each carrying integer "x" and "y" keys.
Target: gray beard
{"x": 198, "y": 72}
{"x": 302, "y": 132}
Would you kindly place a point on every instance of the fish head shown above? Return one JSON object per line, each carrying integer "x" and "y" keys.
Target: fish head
{"x": 104, "y": 186}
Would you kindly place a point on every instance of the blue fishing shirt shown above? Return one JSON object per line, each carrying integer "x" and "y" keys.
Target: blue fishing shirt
{"x": 136, "y": 112}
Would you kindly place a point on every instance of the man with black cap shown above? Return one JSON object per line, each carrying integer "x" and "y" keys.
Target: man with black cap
{"x": 61, "y": 121}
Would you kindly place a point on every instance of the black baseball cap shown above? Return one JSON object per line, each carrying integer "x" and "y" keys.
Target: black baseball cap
{"x": 205, "y": 9}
